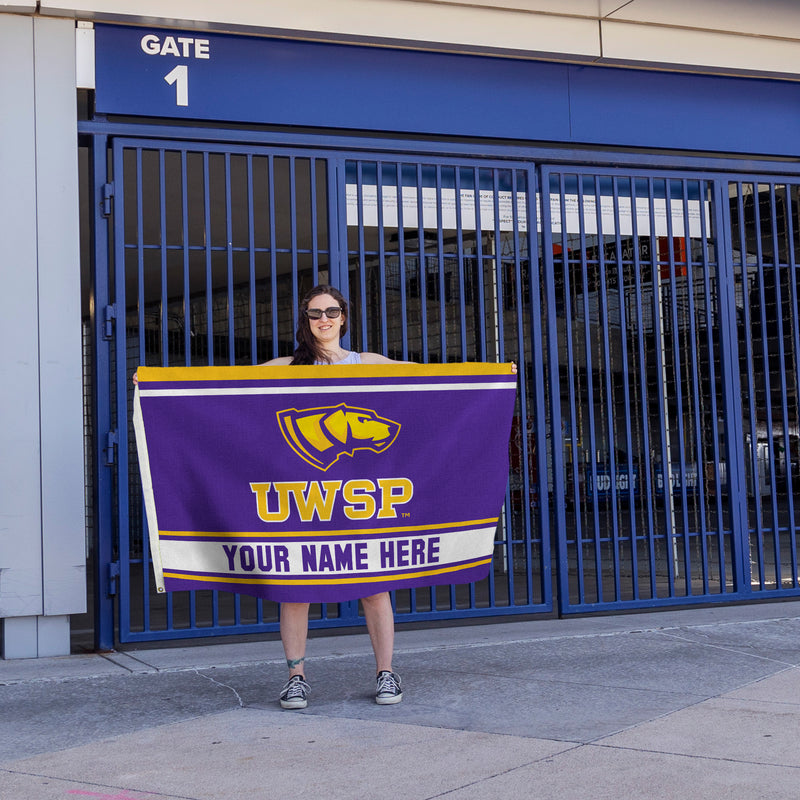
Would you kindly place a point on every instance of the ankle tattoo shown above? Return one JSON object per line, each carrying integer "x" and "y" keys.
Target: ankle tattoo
{"x": 294, "y": 662}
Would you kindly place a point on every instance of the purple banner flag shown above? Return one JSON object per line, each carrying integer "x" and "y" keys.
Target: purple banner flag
{"x": 323, "y": 483}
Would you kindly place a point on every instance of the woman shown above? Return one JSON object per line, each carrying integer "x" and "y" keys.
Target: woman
{"x": 321, "y": 324}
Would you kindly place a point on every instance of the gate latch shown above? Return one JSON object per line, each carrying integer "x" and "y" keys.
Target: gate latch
{"x": 109, "y": 315}
{"x": 113, "y": 574}
{"x": 108, "y": 193}
{"x": 111, "y": 445}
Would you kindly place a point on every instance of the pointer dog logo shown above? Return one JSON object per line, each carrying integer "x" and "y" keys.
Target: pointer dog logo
{"x": 321, "y": 436}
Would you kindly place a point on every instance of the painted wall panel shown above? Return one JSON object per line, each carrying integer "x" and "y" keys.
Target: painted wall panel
{"x": 660, "y": 33}
{"x": 20, "y": 499}
{"x": 778, "y": 18}
{"x": 462, "y": 26}
{"x": 663, "y": 110}
{"x": 659, "y": 46}
{"x": 61, "y": 400}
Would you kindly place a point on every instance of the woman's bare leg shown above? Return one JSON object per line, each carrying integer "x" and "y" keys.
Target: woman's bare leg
{"x": 380, "y": 625}
{"x": 294, "y": 633}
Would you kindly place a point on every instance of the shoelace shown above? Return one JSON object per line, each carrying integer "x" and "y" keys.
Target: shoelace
{"x": 387, "y": 684}
{"x": 296, "y": 687}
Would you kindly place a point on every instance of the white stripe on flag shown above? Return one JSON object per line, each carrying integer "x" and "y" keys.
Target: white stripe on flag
{"x": 254, "y": 390}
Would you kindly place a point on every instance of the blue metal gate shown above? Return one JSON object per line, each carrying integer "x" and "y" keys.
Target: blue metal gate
{"x": 765, "y": 241}
{"x": 674, "y": 328}
{"x": 437, "y": 261}
{"x": 212, "y": 247}
{"x": 214, "y": 244}
{"x": 653, "y": 315}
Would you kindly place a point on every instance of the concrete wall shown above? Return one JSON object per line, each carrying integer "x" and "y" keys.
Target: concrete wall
{"x": 42, "y": 525}
{"x": 727, "y": 36}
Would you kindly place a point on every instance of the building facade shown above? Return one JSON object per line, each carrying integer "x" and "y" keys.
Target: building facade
{"x": 606, "y": 195}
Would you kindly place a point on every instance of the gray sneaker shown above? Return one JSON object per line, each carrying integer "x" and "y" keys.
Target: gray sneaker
{"x": 389, "y": 689}
{"x": 295, "y": 693}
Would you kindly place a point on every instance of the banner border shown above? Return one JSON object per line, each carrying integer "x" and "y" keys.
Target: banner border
{"x": 318, "y": 377}
{"x": 147, "y": 491}
{"x": 320, "y": 372}
{"x": 399, "y": 530}
{"x": 316, "y": 580}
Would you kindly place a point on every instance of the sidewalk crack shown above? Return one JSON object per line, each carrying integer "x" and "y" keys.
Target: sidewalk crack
{"x": 220, "y": 683}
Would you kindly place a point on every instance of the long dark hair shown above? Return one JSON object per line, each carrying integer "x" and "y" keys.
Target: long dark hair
{"x": 308, "y": 350}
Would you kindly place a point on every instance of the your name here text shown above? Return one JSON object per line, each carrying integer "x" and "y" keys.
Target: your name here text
{"x": 333, "y": 557}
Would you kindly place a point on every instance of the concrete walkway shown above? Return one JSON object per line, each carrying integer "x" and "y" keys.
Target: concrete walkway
{"x": 701, "y": 703}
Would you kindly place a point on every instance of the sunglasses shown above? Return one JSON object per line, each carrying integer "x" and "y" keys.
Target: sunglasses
{"x": 330, "y": 313}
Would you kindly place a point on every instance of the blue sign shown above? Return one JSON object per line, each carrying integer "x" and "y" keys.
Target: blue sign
{"x": 601, "y": 484}
{"x": 196, "y": 75}
{"x": 689, "y": 482}
{"x": 158, "y": 72}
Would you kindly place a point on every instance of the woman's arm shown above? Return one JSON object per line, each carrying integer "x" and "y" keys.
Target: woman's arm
{"x": 275, "y": 362}
{"x": 283, "y": 361}
{"x": 377, "y": 358}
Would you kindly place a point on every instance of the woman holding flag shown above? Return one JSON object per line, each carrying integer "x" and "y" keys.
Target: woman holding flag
{"x": 322, "y": 321}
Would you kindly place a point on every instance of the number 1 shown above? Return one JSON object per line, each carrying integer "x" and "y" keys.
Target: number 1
{"x": 180, "y": 77}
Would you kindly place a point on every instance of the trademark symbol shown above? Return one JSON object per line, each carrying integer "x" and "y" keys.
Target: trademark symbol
{"x": 406, "y": 514}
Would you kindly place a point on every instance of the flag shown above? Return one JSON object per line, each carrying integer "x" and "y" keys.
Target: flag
{"x": 322, "y": 483}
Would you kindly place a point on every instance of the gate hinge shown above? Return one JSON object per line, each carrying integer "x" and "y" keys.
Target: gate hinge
{"x": 109, "y": 315}
{"x": 111, "y": 445}
{"x": 108, "y": 193}
{"x": 113, "y": 574}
